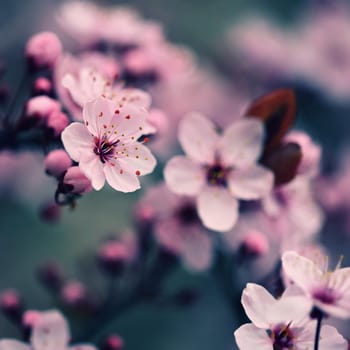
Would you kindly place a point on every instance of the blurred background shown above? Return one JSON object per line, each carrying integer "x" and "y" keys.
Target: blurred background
{"x": 202, "y": 25}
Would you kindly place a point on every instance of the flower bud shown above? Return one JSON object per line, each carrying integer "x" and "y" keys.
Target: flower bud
{"x": 40, "y": 107}
{"x": 29, "y": 319}
{"x": 11, "y": 305}
{"x": 43, "y": 49}
{"x": 74, "y": 294}
{"x": 113, "y": 342}
{"x": 50, "y": 212}
{"x": 254, "y": 244}
{"x": 57, "y": 122}
{"x": 76, "y": 182}
{"x": 57, "y": 162}
{"x": 42, "y": 86}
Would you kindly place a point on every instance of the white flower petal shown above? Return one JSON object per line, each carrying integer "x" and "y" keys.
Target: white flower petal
{"x": 331, "y": 339}
{"x": 50, "y": 332}
{"x": 92, "y": 167}
{"x": 253, "y": 182}
{"x": 198, "y": 138}
{"x": 249, "y": 337}
{"x": 301, "y": 270}
{"x": 121, "y": 179}
{"x": 9, "y": 344}
{"x": 183, "y": 176}
{"x": 242, "y": 143}
{"x": 257, "y": 303}
{"x": 76, "y": 139}
{"x": 217, "y": 208}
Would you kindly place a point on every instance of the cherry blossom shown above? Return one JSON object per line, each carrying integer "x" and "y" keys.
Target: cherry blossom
{"x": 279, "y": 324}
{"x": 329, "y": 290}
{"x": 106, "y": 145}
{"x": 219, "y": 169}
{"x": 177, "y": 227}
{"x": 50, "y": 332}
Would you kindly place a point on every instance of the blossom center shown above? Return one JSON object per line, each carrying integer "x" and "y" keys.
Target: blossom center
{"x": 325, "y": 295}
{"x": 282, "y": 337}
{"x": 104, "y": 148}
{"x": 187, "y": 214}
{"x": 217, "y": 175}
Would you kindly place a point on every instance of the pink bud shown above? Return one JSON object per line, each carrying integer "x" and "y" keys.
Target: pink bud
{"x": 50, "y": 212}
{"x": 43, "y": 49}
{"x": 158, "y": 119}
{"x": 255, "y": 243}
{"x": 11, "y": 304}
{"x": 57, "y": 122}
{"x": 30, "y": 318}
{"x": 57, "y": 162}
{"x": 79, "y": 182}
{"x": 43, "y": 86}
{"x": 74, "y": 293}
{"x": 113, "y": 342}
{"x": 41, "y": 107}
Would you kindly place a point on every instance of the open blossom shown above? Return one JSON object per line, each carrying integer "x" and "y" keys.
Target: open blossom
{"x": 219, "y": 169}
{"x": 50, "y": 332}
{"x": 329, "y": 290}
{"x": 106, "y": 146}
{"x": 281, "y": 324}
{"x": 177, "y": 227}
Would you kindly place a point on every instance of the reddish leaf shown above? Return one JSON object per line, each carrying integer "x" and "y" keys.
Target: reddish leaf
{"x": 284, "y": 162}
{"x": 278, "y": 111}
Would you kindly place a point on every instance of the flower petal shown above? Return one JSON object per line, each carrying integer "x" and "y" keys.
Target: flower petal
{"x": 253, "y": 182}
{"x": 249, "y": 337}
{"x": 331, "y": 339}
{"x": 92, "y": 167}
{"x": 140, "y": 159}
{"x": 82, "y": 347}
{"x": 50, "y": 332}
{"x": 257, "y": 302}
{"x": 183, "y": 176}
{"x": 76, "y": 139}
{"x": 98, "y": 114}
{"x": 217, "y": 208}
{"x": 242, "y": 143}
{"x": 121, "y": 179}
{"x": 9, "y": 344}
{"x": 302, "y": 271}
{"x": 198, "y": 138}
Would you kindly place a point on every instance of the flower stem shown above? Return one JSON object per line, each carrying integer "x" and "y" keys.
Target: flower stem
{"x": 318, "y": 330}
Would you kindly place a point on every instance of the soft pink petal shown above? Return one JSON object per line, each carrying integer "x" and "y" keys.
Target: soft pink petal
{"x": 302, "y": 271}
{"x": 9, "y": 344}
{"x": 242, "y": 143}
{"x": 139, "y": 159}
{"x": 121, "y": 179}
{"x": 217, "y": 208}
{"x": 253, "y": 182}
{"x": 331, "y": 339}
{"x": 257, "y": 303}
{"x": 183, "y": 176}
{"x": 98, "y": 114}
{"x": 137, "y": 96}
{"x": 169, "y": 235}
{"x": 197, "y": 249}
{"x": 76, "y": 140}
{"x": 82, "y": 347}
{"x": 92, "y": 167}
{"x": 198, "y": 138}
{"x": 249, "y": 337}
{"x": 50, "y": 332}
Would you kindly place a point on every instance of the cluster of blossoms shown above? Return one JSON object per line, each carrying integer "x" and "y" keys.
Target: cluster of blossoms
{"x": 240, "y": 202}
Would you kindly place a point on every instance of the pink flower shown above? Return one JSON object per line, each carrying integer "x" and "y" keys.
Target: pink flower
{"x": 329, "y": 290}
{"x": 72, "y": 66}
{"x": 50, "y": 332}
{"x": 281, "y": 324}
{"x": 57, "y": 162}
{"x": 57, "y": 122}
{"x": 42, "y": 85}
{"x": 43, "y": 49}
{"x": 177, "y": 227}
{"x": 219, "y": 169}
{"x": 106, "y": 144}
